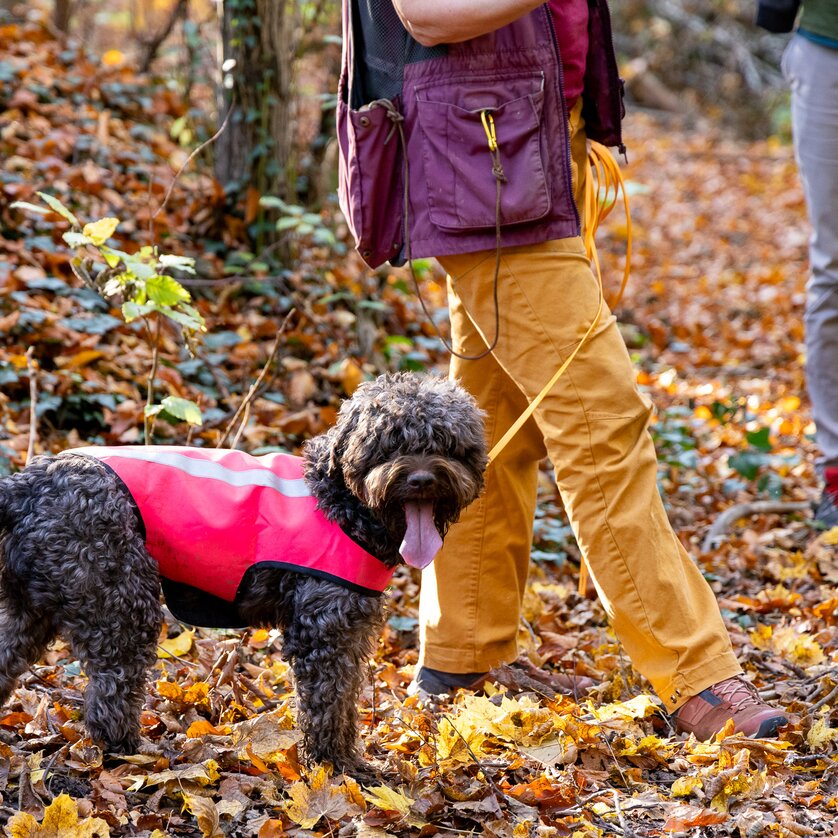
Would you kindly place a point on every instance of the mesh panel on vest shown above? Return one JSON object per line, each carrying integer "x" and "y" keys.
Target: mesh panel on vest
{"x": 382, "y": 48}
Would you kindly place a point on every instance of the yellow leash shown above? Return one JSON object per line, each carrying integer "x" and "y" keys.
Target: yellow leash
{"x": 603, "y": 185}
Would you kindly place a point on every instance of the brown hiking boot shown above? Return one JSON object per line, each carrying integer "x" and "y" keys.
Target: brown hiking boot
{"x": 705, "y": 714}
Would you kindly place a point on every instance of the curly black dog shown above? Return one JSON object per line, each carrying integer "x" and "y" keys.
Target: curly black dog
{"x": 77, "y": 558}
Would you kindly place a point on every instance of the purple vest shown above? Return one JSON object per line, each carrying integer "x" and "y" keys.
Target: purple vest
{"x": 514, "y": 75}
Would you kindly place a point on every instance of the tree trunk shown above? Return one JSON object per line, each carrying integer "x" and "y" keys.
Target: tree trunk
{"x": 253, "y": 151}
{"x": 61, "y": 15}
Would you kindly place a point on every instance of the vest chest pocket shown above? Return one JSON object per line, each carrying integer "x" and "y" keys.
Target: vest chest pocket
{"x": 460, "y": 167}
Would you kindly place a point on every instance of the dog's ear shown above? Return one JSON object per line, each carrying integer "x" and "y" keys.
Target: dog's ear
{"x": 323, "y": 452}
{"x": 320, "y": 456}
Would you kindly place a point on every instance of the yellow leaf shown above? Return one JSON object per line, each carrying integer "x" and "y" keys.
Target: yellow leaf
{"x": 23, "y": 825}
{"x": 761, "y": 636}
{"x": 198, "y": 694}
{"x": 821, "y": 734}
{"x": 61, "y": 820}
{"x": 646, "y": 745}
{"x": 259, "y": 636}
{"x": 320, "y": 799}
{"x": 170, "y": 690}
{"x": 112, "y": 58}
{"x": 176, "y": 647}
{"x": 206, "y": 814}
{"x": 798, "y": 647}
{"x": 830, "y": 537}
{"x": 685, "y": 786}
{"x": 204, "y": 774}
{"x": 636, "y": 708}
{"x": 100, "y": 231}
{"x": 387, "y": 799}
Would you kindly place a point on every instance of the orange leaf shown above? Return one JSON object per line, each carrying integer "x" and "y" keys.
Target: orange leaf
{"x": 544, "y": 793}
{"x": 272, "y": 828}
{"x": 113, "y": 57}
{"x": 80, "y": 359}
{"x": 258, "y": 763}
{"x": 702, "y": 817}
{"x": 15, "y": 719}
{"x": 202, "y": 727}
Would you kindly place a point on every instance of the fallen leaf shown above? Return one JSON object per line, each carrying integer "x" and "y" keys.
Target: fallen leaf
{"x": 61, "y": 820}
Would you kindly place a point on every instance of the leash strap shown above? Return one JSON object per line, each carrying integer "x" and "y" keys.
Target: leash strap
{"x": 603, "y": 184}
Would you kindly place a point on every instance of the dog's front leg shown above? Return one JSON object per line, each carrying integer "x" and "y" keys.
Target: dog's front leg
{"x": 23, "y": 638}
{"x": 329, "y": 642}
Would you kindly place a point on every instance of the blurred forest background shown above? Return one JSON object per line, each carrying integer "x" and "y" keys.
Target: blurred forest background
{"x": 206, "y": 129}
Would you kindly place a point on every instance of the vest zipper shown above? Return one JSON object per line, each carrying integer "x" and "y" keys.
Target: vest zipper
{"x": 617, "y": 87}
{"x": 567, "y": 162}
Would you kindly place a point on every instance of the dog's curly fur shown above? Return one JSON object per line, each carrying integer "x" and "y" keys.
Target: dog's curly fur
{"x": 73, "y": 561}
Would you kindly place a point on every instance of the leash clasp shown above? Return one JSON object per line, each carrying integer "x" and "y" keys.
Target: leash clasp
{"x": 489, "y": 127}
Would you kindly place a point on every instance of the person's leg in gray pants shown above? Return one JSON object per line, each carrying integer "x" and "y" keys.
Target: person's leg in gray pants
{"x": 812, "y": 73}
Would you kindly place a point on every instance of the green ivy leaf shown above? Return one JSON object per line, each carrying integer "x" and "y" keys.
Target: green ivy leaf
{"x": 760, "y": 439}
{"x": 272, "y": 202}
{"x": 56, "y": 206}
{"x": 111, "y": 257}
{"x": 166, "y": 291}
{"x": 188, "y": 321}
{"x": 138, "y": 265}
{"x": 25, "y": 205}
{"x": 747, "y": 463}
{"x": 180, "y": 263}
{"x": 131, "y": 310}
{"x": 287, "y": 222}
{"x": 76, "y": 239}
{"x": 183, "y": 409}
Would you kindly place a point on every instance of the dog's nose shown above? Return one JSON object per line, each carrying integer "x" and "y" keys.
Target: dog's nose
{"x": 420, "y": 480}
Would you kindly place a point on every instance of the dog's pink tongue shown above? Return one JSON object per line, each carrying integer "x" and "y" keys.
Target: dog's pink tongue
{"x": 421, "y": 538}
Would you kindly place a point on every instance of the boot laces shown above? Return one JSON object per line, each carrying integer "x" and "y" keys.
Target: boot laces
{"x": 738, "y": 692}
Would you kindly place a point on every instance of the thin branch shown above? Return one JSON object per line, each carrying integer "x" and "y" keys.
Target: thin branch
{"x": 620, "y": 816}
{"x": 152, "y": 45}
{"x": 251, "y": 393}
{"x": 242, "y": 425}
{"x": 148, "y": 419}
{"x": 723, "y": 523}
{"x": 496, "y": 791}
{"x": 827, "y": 699}
{"x": 33, "y": 403}
{"x": 185, "y": 163}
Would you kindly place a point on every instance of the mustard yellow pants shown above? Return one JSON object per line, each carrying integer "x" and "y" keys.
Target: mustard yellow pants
{"x": 594, "y": 427}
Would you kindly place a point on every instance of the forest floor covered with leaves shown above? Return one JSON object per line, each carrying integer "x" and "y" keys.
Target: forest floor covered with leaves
{"x": 713, "y": 317}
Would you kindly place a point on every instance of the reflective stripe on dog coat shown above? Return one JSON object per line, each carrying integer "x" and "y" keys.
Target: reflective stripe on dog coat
{"x": 211, "y": 514}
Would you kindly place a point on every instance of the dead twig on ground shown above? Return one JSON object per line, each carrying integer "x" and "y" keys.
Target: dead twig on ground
{"x": 723, "y": 523}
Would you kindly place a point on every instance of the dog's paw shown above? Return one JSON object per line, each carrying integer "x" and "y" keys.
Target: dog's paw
{"x": 364, "y": 774}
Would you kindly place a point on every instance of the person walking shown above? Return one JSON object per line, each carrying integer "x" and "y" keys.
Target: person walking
{"x": 810, "y": 65}
{"x": 462, "y": 130}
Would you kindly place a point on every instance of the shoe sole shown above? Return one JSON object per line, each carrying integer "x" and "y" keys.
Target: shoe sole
{"x": 769, "y": 728}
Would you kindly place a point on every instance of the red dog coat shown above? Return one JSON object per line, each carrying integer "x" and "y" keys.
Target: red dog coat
{"x": 210, "y": 515}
